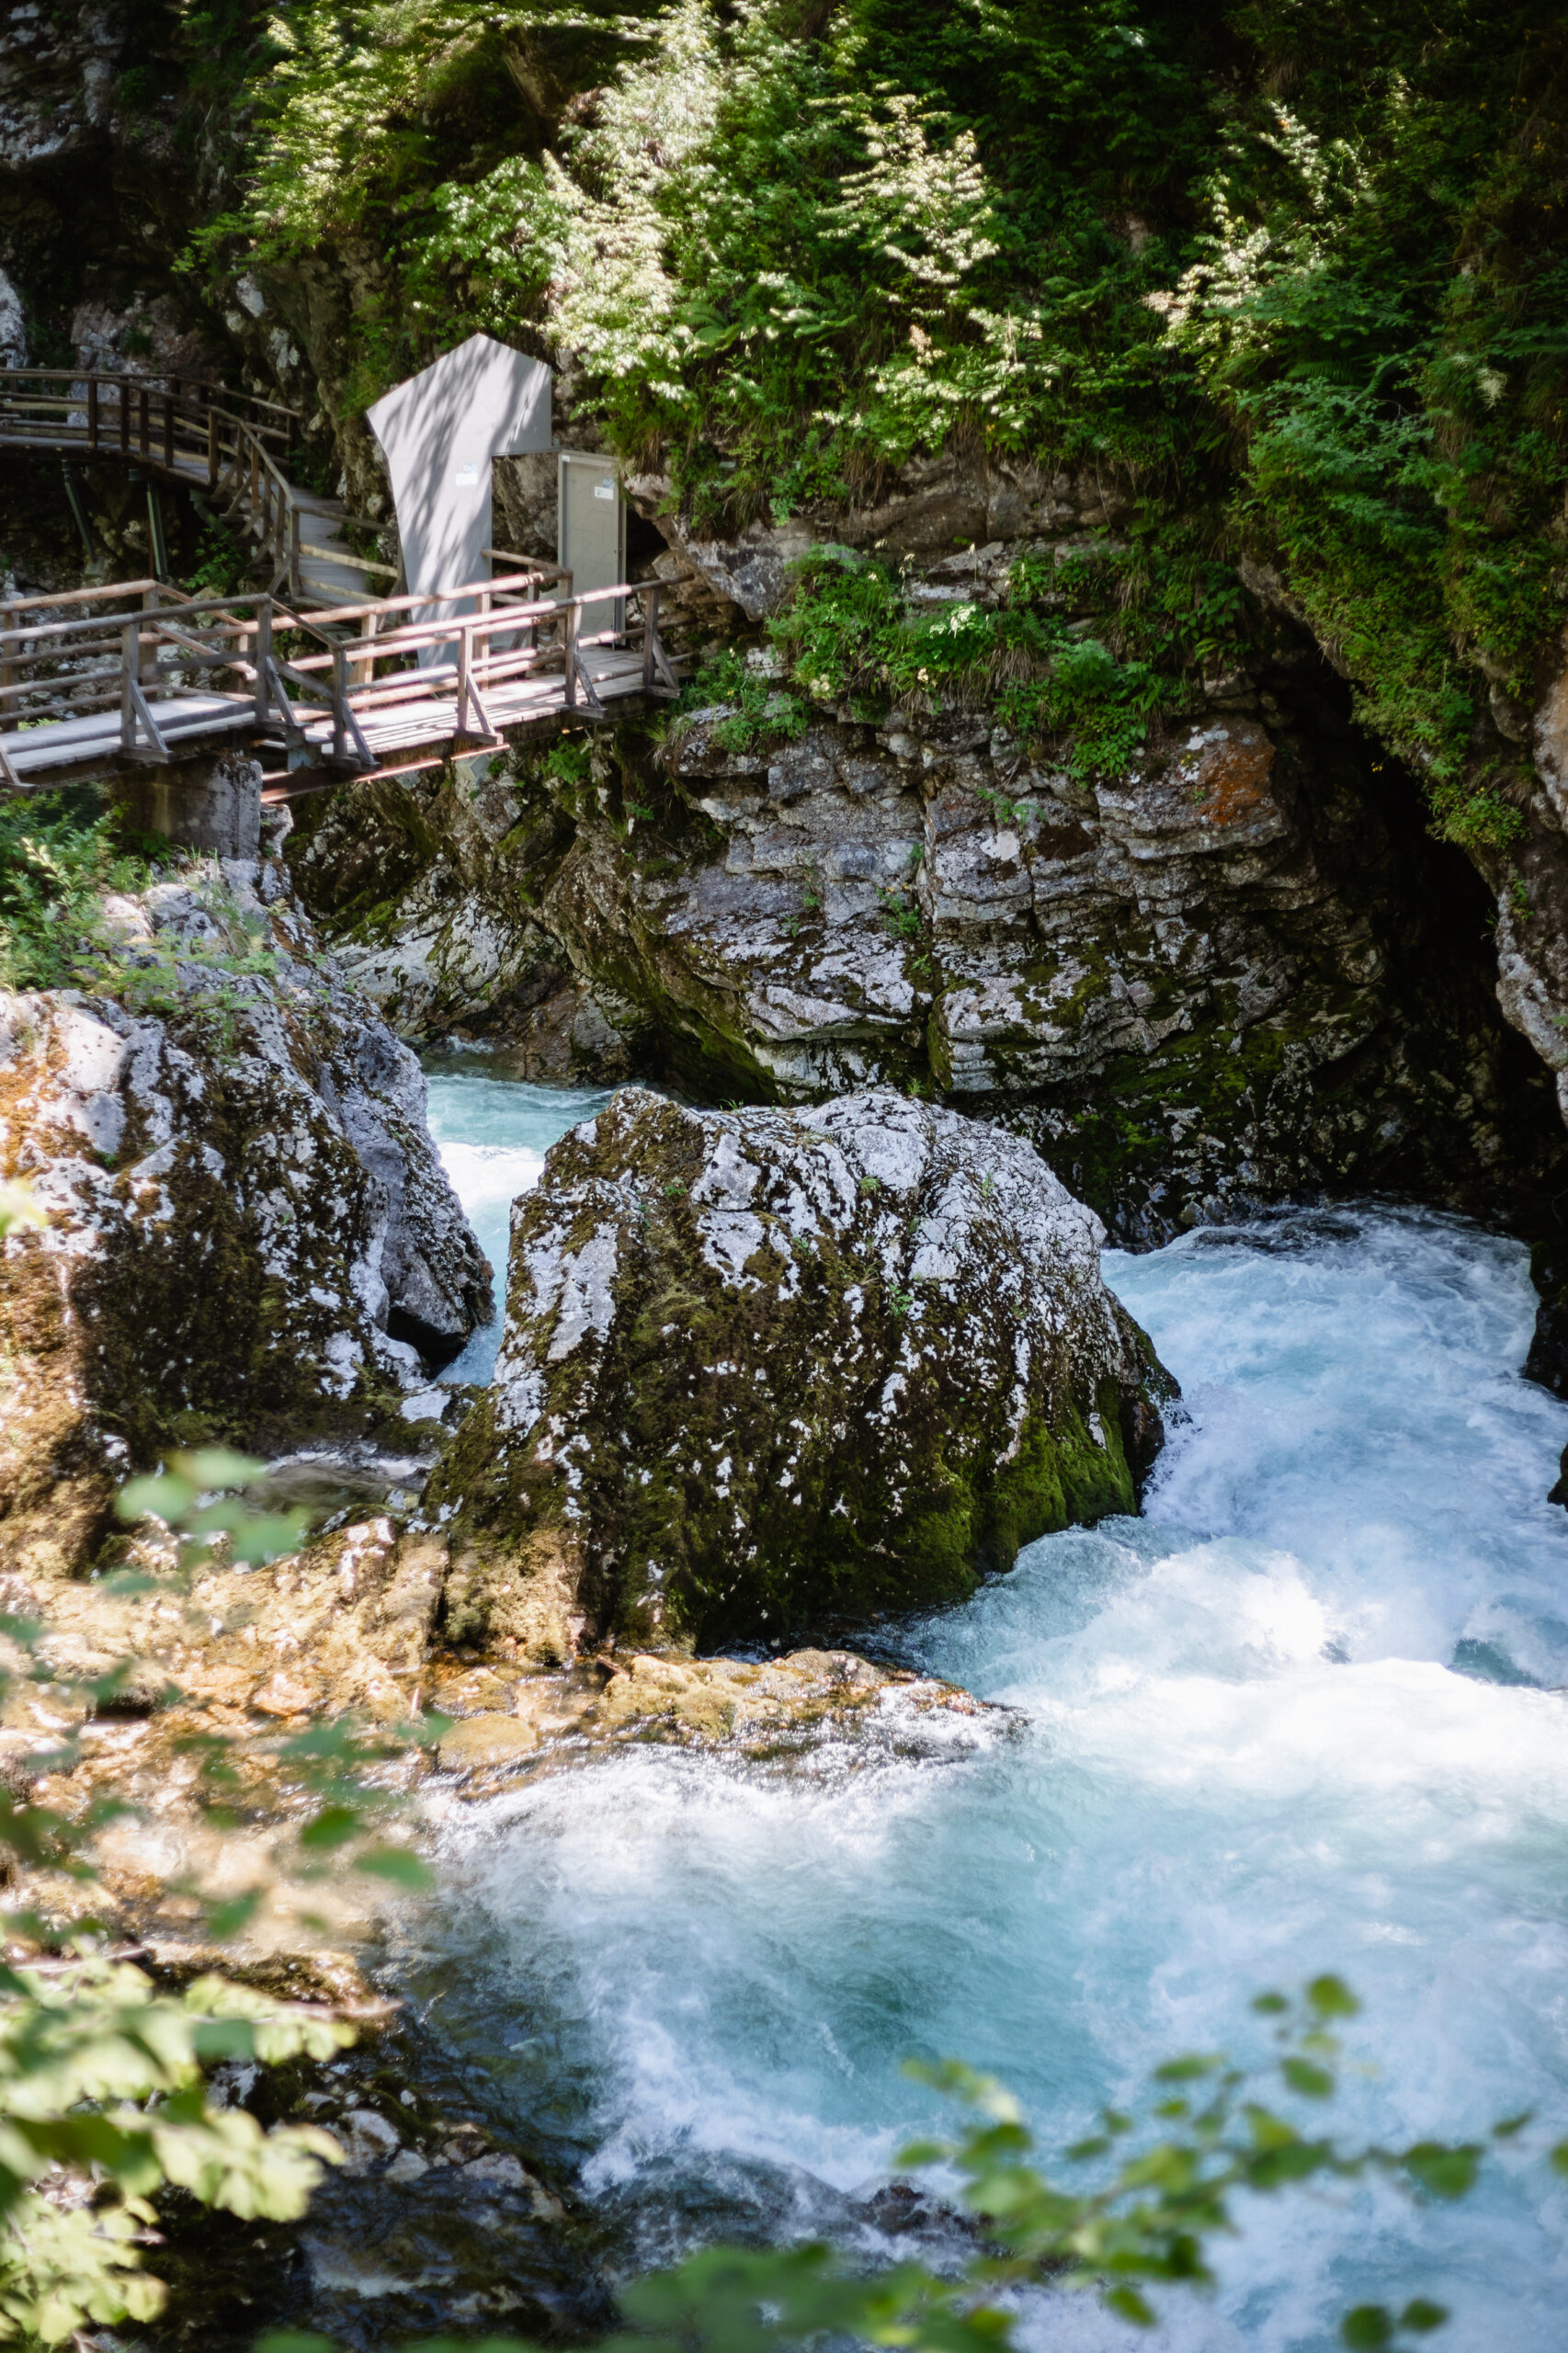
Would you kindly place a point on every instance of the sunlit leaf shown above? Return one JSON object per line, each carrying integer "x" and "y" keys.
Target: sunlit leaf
{"x": 219, "y": 1466}
{"x": 1422, "y": 2316}
{"x": 1332, "y": 1999}
{"x": 1312, "y": 2081}
{"x": 332, "y": 1826}
{"x": 1446, "y": 2172}
{"x": 1366, "y": 2328}
{"x": 398, "y": 1864}
{"x": 161, "y": 1498}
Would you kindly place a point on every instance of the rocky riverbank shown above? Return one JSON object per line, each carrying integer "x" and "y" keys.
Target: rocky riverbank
{"x": 245, "y": 1231}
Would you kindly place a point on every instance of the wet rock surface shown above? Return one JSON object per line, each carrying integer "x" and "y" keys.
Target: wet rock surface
{"x": 247, "y": 1233}
{"x": 764, "y": 1367}
{"x": 457, "y": 2205}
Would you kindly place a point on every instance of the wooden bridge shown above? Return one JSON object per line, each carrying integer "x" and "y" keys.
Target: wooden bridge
{"x": 230, "y": 448}
{"x": 140, "y": 673}
{"x": 308, "y": 672}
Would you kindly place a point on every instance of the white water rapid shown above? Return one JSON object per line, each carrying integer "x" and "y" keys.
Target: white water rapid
{"x": 1305, "y": 1714}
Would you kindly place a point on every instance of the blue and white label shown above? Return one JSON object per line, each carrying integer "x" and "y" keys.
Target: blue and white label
{"x": 466, "y": 475}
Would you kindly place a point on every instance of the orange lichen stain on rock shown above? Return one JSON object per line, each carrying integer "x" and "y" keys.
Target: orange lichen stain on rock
{"x": 1234, "y": 774}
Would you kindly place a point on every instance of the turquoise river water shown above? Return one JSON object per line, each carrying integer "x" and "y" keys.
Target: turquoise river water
{"x": 1306, "y": 1713}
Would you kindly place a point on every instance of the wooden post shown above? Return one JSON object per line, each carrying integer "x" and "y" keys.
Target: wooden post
{"x": 148, "y": 666}
{"x": 295, "y": 589}
{"x": 129, "y": 655}
{"x": 143, "y": 423}
{"x": 339, "y": 696}
{"x": 465, "y": 652}
{"x": 572, "y": 617}
{"x": 650, "y": 635}
{"x": 263, "y": 661}
{"x": 92, "y": 411}
{"x": 169, "y": 431}
{"x": 124, "y": 391}
{"x": 9, "y": 614}
{"x": 255, "y": 478}
{"x": 212, "y": 447}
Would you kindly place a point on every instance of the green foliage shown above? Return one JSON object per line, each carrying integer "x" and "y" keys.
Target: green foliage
{"x": 103, "y": 2100}
{"x": 222, "y": 566}
{"x": 761, "y": 712}
{"x": 57, "y": 856}
{"x": 789, "y": 248}
{"x": 851, "y": 636}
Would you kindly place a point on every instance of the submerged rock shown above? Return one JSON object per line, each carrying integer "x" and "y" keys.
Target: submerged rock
{"x": 784, "y": 1708}
{"x": 764, "y": 1368}
{"x": 249, "y": 1232}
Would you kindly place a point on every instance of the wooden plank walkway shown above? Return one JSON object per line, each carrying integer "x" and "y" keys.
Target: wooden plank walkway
{"x": 228, "y": 447}
{"x": 300, "y": 672}
{"x": 96, "y": 678}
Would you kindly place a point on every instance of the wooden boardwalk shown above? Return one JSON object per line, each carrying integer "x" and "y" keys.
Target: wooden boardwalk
{"x": 314, "y": 672}
{"x": 139, "y": 673}
{"x": 230, "y": 448}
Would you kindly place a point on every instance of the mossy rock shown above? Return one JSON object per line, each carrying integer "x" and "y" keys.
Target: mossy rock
{"x": 766, "y": 1369}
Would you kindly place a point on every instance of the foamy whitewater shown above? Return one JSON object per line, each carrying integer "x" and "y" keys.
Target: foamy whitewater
{"x": 1303, "y": 1715}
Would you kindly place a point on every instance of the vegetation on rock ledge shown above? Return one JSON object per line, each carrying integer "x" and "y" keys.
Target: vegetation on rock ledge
{"x": 1296, "y": 278}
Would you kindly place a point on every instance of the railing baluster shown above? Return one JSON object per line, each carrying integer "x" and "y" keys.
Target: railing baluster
{"x": 169, "y": 431}
{"x": 92, "y": 413}
{"x": 130, "y": 655}
{"x": 649, "y": 634}
{"x": 143, "y": 423}
{"x": 124, "y": 391}
{"x": 572, "y": 621}
{"x": 263, "y": 661}
{"x": 212, "y": 448}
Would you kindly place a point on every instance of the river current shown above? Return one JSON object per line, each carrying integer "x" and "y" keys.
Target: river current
{"x": 1307, "y": 1713}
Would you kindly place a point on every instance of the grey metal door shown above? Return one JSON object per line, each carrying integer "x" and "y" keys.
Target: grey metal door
{"x": 591, "y": 539}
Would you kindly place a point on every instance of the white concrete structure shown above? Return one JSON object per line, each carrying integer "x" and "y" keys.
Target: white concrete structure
{"x": 438, "y": 432}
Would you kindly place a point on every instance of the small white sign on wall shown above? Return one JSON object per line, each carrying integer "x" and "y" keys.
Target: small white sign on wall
{"x": 466, "y": 475}
{"x": 604, "y": 489}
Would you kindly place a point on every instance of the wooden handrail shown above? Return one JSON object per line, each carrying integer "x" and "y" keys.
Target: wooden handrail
{"x": 477, "y": 652}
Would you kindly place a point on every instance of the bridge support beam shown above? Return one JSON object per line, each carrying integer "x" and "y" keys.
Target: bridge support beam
{"x": 211, "y": 802}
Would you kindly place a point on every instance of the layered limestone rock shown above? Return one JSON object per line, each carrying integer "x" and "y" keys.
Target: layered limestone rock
{"x": 1237, "y": 971}
{"x": 247, "y": 1230}
{"x": 766, "y": 1368}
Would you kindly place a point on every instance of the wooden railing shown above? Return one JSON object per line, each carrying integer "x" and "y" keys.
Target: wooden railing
{"x": 231, "y": 445}
{"x": 261, "y": 664}
{"x": 155, "y": 418}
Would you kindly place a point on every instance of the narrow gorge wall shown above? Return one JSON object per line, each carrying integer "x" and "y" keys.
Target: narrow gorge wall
{"x": 1238, "y": 971}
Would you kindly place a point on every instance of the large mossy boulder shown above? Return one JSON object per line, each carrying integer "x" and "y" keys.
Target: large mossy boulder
{"x": 766, "y": 1369}
{"x": 245, "y": 1230}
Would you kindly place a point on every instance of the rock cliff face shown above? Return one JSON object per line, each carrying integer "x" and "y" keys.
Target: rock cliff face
{"x": 247, "y": 1230}
{"x": 763, "y": 1368}
{"x": 1238, "y": 970}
